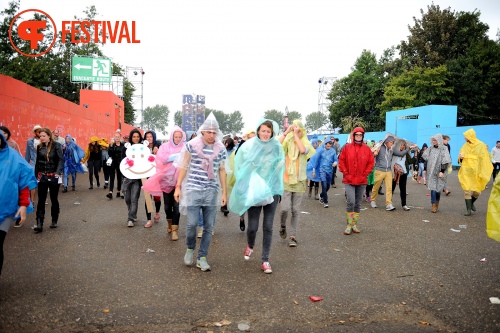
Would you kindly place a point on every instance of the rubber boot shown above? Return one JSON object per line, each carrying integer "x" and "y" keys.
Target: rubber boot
{"x": 349, "y": 217}
{"x": 472, "y": 206}
{"x": 175, "y": 235}
{"x": 169, "y": 225}
{"x": 354, "y": 223}
{"x": 39, "y": 225}
{"x": 437, "y": 205}
{"x": 468, "y": 204}
{"x": 224, "y": 210}
{"x": 316, "y": 195}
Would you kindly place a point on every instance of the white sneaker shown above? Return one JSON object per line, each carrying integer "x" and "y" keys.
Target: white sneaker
{"x": 373, "y": 204}
{"x": 325, "y": 205}
{"x": 390, "y": 207}
{"x": 406, "y": 208}
{"x": 130, "y": 224}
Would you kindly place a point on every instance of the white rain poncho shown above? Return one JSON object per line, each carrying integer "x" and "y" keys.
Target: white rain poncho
{"x": 259, "y": 167}
{"x": 201, "y": 185}
{"x": 437, "y": 159}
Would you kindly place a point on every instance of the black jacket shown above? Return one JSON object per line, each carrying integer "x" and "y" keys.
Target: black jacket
{"x": 116, "y": 152}
{"x": 55, "y": 161}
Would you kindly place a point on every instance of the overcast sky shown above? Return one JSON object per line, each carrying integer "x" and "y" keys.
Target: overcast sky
{"x": 256, "y": 55}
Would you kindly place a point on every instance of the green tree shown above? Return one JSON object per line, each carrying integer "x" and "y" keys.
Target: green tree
{"x": 156, "y": 118}
{"x": 292, "y": 115}
{"x": 359, "y": 93}
{"x": 418, "y": 87}
{"x": 275, "y": 115}
{"x": 349, "y": 123}
{"x": 178, "y": 118}
{"x": 315, "y": 120}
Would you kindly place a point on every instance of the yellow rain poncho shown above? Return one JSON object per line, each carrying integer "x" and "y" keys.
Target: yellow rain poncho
{"x": 493, "y": 213}
{"x": 296, "y": 163}
{"x": 475, "y": 168}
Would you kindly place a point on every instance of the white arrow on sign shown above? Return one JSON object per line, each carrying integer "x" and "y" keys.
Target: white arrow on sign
{"x": 78, "y": 66}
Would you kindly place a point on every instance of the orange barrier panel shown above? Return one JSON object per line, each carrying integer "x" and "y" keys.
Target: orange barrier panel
{"x": 23, "y": 106}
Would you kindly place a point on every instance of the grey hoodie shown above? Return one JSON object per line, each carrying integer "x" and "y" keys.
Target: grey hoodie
{"x": 384, "y": 158}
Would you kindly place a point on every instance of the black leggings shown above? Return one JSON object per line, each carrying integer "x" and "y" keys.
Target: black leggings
{"x": 2, "y": 239}
{"x": 171, "y": 207}
{"x": 43, "y": 188}
{"x": 94, "y": 168}
{"x": 157, "y": 207}
{"x": 369, "y": 190}
{"x": 115, "y": 169}
{"x": 402, "y": 188}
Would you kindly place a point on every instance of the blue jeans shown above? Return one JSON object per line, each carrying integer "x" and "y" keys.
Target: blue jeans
{"x": 193, "y": 216}
{"x": 435, "y": 196}
{"x": 326, "y": 180}
{"x": 73, "y": 179}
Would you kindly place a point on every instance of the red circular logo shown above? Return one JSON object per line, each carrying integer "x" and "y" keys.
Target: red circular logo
{"x": 28, "y": 31}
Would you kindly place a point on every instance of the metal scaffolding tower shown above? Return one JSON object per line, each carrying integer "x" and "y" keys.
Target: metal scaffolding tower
{"x": 135, "y": 76}
{"x": 325, "y": 86}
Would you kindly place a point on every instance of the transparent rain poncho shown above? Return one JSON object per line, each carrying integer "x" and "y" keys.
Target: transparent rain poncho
{"x": 166, "y": 173}
{"x": 437, "y": 160}
{"x": 259, "y": 167}
{"x": 201, "y": 185}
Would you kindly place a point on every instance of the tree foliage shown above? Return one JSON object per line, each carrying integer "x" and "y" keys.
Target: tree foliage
{"x": 418, "y": 87}
{"x": 360, "y": 92}
{"x": 349, "y": 123}
{"x": 156, "y": 118}
{"x": 178, "y": 118}
{"x": 51, "y": 71}
{"x": 277, "y": 116}
{"x": 315, "y": 120}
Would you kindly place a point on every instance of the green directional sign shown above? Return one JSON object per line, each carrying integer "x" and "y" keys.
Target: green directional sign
{"x": 90, "y": 70}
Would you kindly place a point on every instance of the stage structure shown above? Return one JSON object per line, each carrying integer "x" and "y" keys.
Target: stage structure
{"x": 193, "y": 112}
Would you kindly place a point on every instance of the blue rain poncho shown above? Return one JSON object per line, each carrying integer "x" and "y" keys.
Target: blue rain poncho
{"x": 321, "y": 163}
{"x": 15, "y": 175}
{"x": 73, "y": 154}
{"x": 259, "y": 167}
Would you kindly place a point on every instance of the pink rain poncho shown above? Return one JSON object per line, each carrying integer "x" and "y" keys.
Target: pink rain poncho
{"x": 166, "y": 173}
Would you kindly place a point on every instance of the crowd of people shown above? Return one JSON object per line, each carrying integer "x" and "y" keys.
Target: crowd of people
{"x": 199, "y": 173}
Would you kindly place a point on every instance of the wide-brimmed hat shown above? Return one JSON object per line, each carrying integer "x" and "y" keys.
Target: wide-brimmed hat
{"x": 37, "y": 127}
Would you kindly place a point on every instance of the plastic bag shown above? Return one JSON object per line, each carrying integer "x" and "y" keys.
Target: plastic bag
{"x": 84, "y": 167}
{"x": 493, "y": 213}
{"x": 109, "y": 161}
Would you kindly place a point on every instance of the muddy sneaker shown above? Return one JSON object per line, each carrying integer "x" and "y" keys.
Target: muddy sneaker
{"x": 203, "y": 264}
{"x": 188, "y": 257}
{"x": 406, "y": 208}
{"x": 266, "y": 267}
{"x": 247, "y": 253}
{"x": 283, "y": 232}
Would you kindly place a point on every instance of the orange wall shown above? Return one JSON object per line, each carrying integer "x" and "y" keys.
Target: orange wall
{"x": 23, "y": 106}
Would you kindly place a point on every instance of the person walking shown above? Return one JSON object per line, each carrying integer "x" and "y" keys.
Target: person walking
{"x": 356, "y": 163}
{"x": 11, "y": 143}
{"x": 150, "y": 138}
{"x": 164, "y": 181}
{"x": 132, "y": 187}
{"x": 401, "y": 167}
{"x": 104, "y": 159}
{"x": 58, "y": 138}
{"x": 495, "y": 159}
{"x": 320, "y": 168}
{"x": 116, "y": 152}
{"x": 230, "y": 148}
{"x": 48, "y": 170}
{"x": 31, "y": 145}
{"x": 73, "y": 154}
{"x": 16, "y": 180}
{"x": 383, "y": 172}
{"x": 201, "y": 185}
{"x": 93, "y": 158}
{"x": 475, "y": 169}
{"x": 259, "y": 170}
{"x": 422, "y": 165}
{"x": 446, "y": 140}
{"x": 437, "y": 158}
{"x": 298, "y": 150}
{"x": 314, "y": 183}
